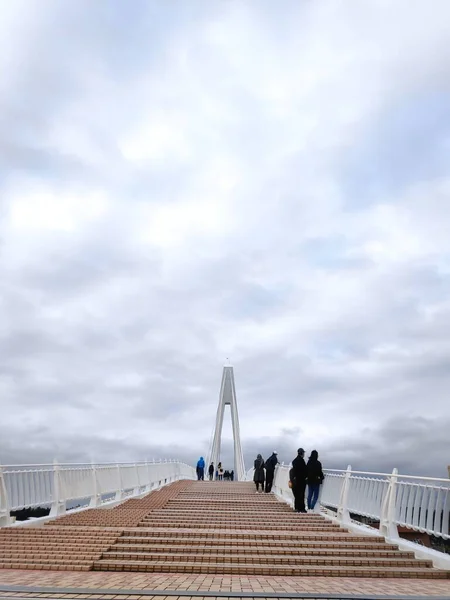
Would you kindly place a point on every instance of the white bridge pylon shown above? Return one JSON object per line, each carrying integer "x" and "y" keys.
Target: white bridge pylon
{"x": 228, "y": 396}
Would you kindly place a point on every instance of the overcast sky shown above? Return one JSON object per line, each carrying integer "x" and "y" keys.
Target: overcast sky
{"x": 186, "y": 181}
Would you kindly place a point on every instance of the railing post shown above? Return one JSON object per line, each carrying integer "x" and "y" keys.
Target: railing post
{"x": 119, "y": 492}
{"x": 138, "y": 486}
{"x": 388, "y": 525}
{"x": 95, "y": 500}
{"x": 5, "y": 517}
{"x": 59, "y": 503}
{"x": 343, "y": 513}
{"x": 318, "y": 507}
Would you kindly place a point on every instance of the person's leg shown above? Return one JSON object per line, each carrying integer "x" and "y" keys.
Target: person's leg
{"x": 269, "y": 481}
{"x": 315, "y": 496}
{"x": 295, "y": 494}
{"x": 310, "y": 495}
{"x": 301, "y": 496}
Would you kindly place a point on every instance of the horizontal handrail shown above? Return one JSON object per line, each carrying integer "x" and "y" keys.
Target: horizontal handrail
{"x": 88, "y": 464}
{"x": 56, "y": 485}
{"x": 414, "y": 477}
{"x": 412, "y": 501}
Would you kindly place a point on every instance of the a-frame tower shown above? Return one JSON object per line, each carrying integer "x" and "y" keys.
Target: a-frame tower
{"x": 228, "y": 396}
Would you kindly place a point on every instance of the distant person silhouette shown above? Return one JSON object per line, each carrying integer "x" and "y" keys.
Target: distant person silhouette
{"x": 270, "y": 465}
{"x": 220, "y": 471}
{"x": 211, "y": 471}
{"x": 258, "y": 476}
{"x": 201, "y": 469}
{"x": 297, "y": 476}
{"x": 232, "y": 475}
{"x": 314, "y": 478}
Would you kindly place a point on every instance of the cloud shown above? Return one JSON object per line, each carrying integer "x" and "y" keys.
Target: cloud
{"x": 181, "y": 184}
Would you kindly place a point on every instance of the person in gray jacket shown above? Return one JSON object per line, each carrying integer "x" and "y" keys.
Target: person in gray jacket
{"x": 259, "y": 475}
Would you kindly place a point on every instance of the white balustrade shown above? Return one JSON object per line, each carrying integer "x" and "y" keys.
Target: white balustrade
{"x": 419, "y": 503}
{"x": 30, "y": 486}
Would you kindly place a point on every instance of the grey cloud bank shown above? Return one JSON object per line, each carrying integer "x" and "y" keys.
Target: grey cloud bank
{"x": 180, "y": 184}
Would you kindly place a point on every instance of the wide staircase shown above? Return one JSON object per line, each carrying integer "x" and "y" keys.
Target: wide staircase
{"x": 207, "y": 528}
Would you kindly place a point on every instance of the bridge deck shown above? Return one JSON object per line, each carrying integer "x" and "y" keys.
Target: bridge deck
{"x": 206, "y": 537}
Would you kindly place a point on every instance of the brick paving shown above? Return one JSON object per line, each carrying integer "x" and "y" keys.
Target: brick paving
{"x": 208, "y": 537}
{"x": 206, "y": 583}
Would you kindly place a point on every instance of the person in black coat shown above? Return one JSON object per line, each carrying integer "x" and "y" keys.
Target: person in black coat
{"x": 298, "y": 475}
{"x": 259, "y": 475}
{"x": 270, "y": 465}
{"x": 315, "y": 478}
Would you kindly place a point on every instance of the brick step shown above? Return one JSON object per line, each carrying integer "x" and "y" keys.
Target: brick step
{"x": 257, "y": 569}
{"x": 70, "y": 535}
{"x": 272, "y": 559}
{"x": 18, "y": 565}
{"x": 251, "y": 513}
{"x": 255, "y": 499}
{"x": 286, "y": 519}
{"x": 78, "y": 532}
{"x": 262, "y": 522}
{"x": 85, "y": 552}
{"x": 222, "y": 505}
{"x": 251, "y": 535}
{"x": 47, "y": 561}
{"x": 243, "y": 543}
{"x": 231, "y": 513}
{"x": 254, "y": 503}
{"x": 236, "y": 526}
{"x": 252, "y": 550}
{"x": 50, "y": 544}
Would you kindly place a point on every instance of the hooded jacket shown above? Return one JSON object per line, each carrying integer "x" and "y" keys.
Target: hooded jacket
{"x": 259, "y": 476}
{"x": 314, "y": 470}
{"x": 201, "y": 463}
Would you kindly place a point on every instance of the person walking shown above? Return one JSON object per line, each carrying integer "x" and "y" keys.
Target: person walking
{"x": 211, "y": 471}
{"x": 314, "y": 478}
{"x": 297, "y": 476}
{"x": 220, "y": 471}
{"x": 258, "y": 476}
{"x": 201, "y": 469}
{"x": 270, "y": 465}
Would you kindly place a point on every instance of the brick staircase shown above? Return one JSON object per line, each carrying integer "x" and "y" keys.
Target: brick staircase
{"x": 54, "y": 548}
{"x": 75, "y": 541}
{"x": 225, "y": 528}
{"x": 207, "y": 528}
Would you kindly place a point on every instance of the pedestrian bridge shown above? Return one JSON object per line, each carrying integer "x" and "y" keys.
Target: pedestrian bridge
{"x": 149, "y": 529}
{"x": 153, "y": 518}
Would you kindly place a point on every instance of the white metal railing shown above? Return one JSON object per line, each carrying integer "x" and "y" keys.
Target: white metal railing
{"x": 56, "y": 485}
{"x": 418, "y": 503}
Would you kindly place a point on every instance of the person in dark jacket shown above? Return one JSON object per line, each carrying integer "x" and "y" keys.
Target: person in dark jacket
{"x": 314, "y": 478}
{"x": 298, "y": 475}
{"x": 201, "y": 469}
{"x": 270, "y": 465}
{"x": 258, "y": 476}
{"x": 211, "y": 471}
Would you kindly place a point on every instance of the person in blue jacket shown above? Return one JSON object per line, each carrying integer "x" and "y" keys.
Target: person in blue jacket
{"x": 201, "y": 469}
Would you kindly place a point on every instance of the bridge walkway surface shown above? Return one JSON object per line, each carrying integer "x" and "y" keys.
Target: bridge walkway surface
{"x": 206, "y": 539}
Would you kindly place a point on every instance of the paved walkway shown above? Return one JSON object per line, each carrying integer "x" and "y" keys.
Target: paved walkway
{"x": 219, "y": 583}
